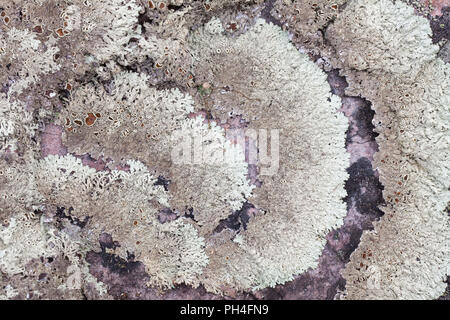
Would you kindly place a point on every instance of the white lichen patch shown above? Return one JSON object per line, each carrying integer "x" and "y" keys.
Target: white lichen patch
{"x": 17, "y": 127}
{"x": 125, "y": 205}
{"x": 213, "y": 183}
{"x": 27, "y": 57}
{"x": 406, "y": 256}
{"x": 132, "y": 121}
{"x": 263, "y": 78}
{"x": 173, "y": 253}
{"x": 20, "y": 242}
{"x": 18, "y": 194}
{"x": 104, "y": 27}
{"x": 382, "y": 37}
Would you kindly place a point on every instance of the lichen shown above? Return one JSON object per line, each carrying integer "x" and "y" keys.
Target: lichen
{"x": 17, "y": 128}
{"x": 128, "y": 204}
{"x": 24, "y": 243}
{"x": 132, "y": 121}
{"x": 262, "y": 78}
{"x": 24, "y": 59}
{"x": 19, "y": 196}
{"x": 307, "y": 20}
{"x": 382, "y": 37}
{"x": 406, "y": 255}
{"x": 21, "y": 241}
{"x": 207, "y": 146}
{"x": 214, "y": 182}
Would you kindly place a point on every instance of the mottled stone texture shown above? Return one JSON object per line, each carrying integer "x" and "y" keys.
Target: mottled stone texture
{"x": 127, "y": 278}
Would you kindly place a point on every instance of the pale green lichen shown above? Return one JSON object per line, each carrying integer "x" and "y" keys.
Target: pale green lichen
{"x": 406, "y": 256}
{"x": 17, "y": 128}
{"x": 173, "y": 253}
{"x": 104, "y": 27}
{"x": 263, "y": 78}
{"x": 132, "y": 121}
{"x": 29, "y": 57}
{"x": 20, "y": 242}
{"x": 382, "y": 37}
{"x": 213, "y": 183}
{"x": 307, "y": 19}
{"x": 26, "y": 239}
{"x": 129, "y": 202}
{"x": 19, "y": 196}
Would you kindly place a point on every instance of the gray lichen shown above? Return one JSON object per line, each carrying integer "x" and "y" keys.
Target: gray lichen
{"x": 128, "y": 82}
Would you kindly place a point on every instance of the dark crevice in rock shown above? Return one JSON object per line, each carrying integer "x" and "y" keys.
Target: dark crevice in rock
{"x": 106, "y": 242}
{"x": 364, "y": 117}
{"x": 127, "y": 278}
{"x": 446, "y": 295}
{"x": 61, "y": 213}
{"x": 5, "y": 87}
{"x": 364, "y": 196}
{"x": 267, "y": 15}
{"x": 143, "y": 18}
{"x": 93, "y": 77}
{"x": 237, "y": 220}
{"x": 168, "y": 84}
{"x": 440, "y": 26}
{"x": 175, "y": 7}
{"x": 190, "y": 214}
{"x": 63, "y": 94}
{"x": 161, "y": 181}
{"x": 128, "y": 68}
{"x": 323, "y": 31}
{"x": 338, "y": 83}
{"x": 167, "y": 215}
{"x": 114, "y": 263}
{"x": 364, "y": 189}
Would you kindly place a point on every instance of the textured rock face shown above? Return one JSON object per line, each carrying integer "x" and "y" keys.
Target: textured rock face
{"x": 224, "y": 149}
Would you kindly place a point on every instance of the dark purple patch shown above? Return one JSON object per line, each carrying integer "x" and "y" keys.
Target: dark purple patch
{"x": 61, "y": 214}
{"x": 364, "y": 189}
{"x": 237, "y": 220}
{"x": 440, "y": 26}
